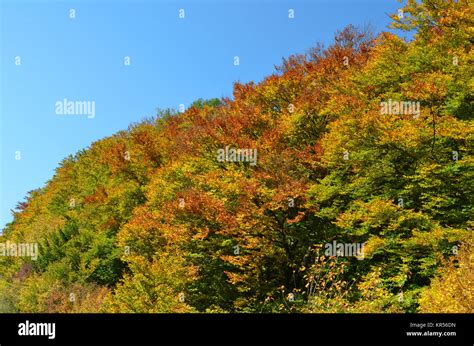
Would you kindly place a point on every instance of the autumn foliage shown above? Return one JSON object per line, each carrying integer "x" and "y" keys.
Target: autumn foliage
{"x": 148, "y": 220}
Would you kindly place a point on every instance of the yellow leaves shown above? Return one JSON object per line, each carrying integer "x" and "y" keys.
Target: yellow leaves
{"x": 428, "y": 86}
{"x": 409, "y": 218}
{"x": 451, "y": 127}
{"x": 156, "y": 286}
{"x": 371, "y": 286}
{"x": 333, "y": 138}
{"x": 373, "y": 214}
{"x": 456, "y": 14}
{"x": 141, "y": 226}
{"x": 384, "y": 58}
{"x": 408, "y": 133}
{"x": 46, "y": 295}
{"x": 373, "y": 245}
{"x": 237, "y": 260}
{"x": 234, "y": 278}
{"x": 433, "y": 237}
{"x": 40, "y": 227}
{"x": 452, "y": 291}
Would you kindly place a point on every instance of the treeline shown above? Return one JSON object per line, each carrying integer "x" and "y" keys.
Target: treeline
{"x": 366, "y": 143}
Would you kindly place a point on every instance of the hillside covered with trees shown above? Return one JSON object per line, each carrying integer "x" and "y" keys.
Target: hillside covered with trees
{"x": 232, "y": 205}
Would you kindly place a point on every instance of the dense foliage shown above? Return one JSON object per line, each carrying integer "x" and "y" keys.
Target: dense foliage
{"x": 148, "y": 220}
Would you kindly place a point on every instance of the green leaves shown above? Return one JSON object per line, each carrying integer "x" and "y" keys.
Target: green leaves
{"x": 148, "y": 220}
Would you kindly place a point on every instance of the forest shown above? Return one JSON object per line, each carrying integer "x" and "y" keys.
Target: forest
{"x": 341, "y": 183}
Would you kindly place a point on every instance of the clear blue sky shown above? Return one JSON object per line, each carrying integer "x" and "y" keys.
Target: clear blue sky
{"x": 173, "y": 61}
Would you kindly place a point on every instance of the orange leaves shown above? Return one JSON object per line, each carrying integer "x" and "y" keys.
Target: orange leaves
{"x": 298, "y": 218}
{"x": 147, "y": 144}
{"x": 331, "y": 164}
{"x": 243, "y": 91}
{"x": 111, "y": 153}
{"x": 99, "y": 196}
{"x": 143, "y": 235}
{"x": 428, "y": 86}
{"x": 204, "y": 206}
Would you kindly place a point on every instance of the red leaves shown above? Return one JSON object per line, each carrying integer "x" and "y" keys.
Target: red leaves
{"x": 99, "y": 196}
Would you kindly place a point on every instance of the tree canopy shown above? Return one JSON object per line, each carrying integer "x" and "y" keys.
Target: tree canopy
{"x": 367, "y": 141}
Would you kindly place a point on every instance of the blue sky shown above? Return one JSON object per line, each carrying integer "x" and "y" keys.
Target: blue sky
{"x": 173, "y": 61}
